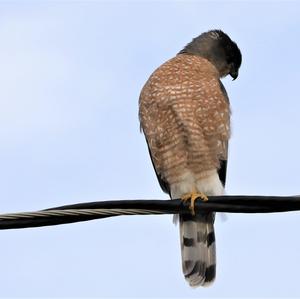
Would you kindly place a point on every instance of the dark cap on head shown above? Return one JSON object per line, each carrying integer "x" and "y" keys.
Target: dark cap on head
{"x": 217, "y": 47}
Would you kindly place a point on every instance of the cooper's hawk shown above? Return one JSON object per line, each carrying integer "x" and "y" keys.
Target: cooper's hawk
{"x": 184, "y": 113}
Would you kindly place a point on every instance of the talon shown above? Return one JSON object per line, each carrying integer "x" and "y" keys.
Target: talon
{"x": 193, "y": 196}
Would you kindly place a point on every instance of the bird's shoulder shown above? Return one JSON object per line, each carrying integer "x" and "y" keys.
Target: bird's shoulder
{"x": 182, "y": 77}
{"x": 184, "y": 67}
{"x": 182, "y": 73}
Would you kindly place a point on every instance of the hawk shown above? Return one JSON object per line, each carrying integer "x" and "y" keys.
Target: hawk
{"x": 185, "y": 115}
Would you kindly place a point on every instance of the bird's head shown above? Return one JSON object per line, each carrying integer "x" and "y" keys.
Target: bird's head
{"x": 217, "y": 47}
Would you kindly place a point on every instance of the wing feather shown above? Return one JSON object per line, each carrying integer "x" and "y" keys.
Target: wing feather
{"x": 163, "y": 183}
{"x": 222, "y": 171}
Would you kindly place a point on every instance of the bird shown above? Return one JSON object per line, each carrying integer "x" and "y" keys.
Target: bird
{"x": 184, "y": 113}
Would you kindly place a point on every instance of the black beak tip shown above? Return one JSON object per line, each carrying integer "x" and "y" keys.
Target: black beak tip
{"x": 234, "y": 75}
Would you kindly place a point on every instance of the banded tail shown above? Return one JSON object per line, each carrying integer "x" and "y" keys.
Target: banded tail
{"x": 198, "y": 249}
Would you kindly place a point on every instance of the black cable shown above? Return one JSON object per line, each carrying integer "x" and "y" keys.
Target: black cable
{"x": 228, "y": 203}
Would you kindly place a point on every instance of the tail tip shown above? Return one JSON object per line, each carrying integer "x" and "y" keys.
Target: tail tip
{"x": 195, "y": 279}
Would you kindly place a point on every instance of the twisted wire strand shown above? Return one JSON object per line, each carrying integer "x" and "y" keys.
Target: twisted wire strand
{"x": 77, "y": 212}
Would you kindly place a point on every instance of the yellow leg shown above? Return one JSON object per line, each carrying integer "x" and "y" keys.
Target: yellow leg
{"x": 193, "y": 196}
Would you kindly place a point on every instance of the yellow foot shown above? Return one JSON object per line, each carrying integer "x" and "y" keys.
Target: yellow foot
{"x": 193, "y": 196}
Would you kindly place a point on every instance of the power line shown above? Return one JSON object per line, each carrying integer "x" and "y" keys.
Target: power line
{"x": 103, "y": 209}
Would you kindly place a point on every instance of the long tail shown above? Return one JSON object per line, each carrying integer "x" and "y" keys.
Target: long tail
{"x": 198, "y": 249}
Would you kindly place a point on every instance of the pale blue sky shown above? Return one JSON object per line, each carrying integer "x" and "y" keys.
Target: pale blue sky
{"x": 70, "y": 74}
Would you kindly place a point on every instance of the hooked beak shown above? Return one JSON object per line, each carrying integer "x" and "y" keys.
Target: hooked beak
{"x": 234, "y": 74}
